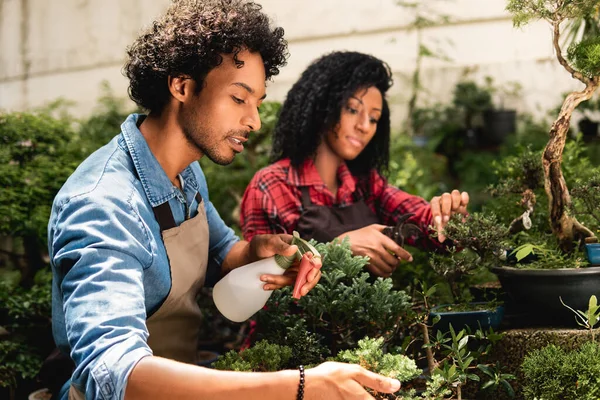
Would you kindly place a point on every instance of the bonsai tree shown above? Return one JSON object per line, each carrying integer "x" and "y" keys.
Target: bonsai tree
{"x": 582, "y": 61}
{"x": 477, "y": 243}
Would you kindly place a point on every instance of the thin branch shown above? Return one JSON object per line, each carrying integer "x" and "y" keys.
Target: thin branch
{"x": 555, "y": 39}
{"x": 431, "y": 363}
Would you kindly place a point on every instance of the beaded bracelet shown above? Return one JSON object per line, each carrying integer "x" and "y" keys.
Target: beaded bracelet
{"x": 301, "y": 384}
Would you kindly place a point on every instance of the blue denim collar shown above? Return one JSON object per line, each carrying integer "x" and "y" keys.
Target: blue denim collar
{"x": 156, "y": 183}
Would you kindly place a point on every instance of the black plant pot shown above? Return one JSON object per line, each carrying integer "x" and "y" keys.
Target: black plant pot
{"x": 534, "y": 294}
{"x": 497, "y": 125}
{"x": 589, "y": 129}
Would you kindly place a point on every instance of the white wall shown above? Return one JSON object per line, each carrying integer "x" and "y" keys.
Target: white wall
{"x": 65, "y": 48}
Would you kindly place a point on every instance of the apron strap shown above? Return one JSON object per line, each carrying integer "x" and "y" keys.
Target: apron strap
{"x": 164, "y": 215}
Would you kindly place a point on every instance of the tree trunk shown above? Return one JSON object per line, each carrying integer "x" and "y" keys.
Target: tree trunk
{"x": 564, "y": 226}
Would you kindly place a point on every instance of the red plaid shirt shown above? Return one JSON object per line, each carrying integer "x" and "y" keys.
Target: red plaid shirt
{"x": 272, "y": 202}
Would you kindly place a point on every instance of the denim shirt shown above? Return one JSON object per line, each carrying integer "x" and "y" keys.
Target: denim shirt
{"x": 109, "y": 263}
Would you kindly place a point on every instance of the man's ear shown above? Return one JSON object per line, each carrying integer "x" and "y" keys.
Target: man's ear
{"x": 181, "y": 87}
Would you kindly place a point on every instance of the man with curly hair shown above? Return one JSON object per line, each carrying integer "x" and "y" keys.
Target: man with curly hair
{"x": 133, "y": 234}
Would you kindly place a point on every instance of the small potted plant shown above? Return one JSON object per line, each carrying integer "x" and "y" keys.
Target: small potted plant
{"x": 476, "y": 243}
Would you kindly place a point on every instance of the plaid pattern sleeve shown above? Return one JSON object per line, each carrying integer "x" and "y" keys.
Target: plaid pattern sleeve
{"x": 270, "y": 204}
{"x": 392, "y": 202}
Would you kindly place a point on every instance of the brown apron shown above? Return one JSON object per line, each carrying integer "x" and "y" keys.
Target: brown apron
{"x": 324, "y": 223}
{"x": 175, "y": 326}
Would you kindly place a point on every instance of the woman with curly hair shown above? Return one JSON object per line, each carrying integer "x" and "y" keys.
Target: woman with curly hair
{"x": 330, "y": 150}
{"x": 133, "y": 234}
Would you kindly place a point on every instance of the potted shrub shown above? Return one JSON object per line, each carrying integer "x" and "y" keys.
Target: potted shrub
{"x": 476, "y": 242}
{"x": 534, "y": 288}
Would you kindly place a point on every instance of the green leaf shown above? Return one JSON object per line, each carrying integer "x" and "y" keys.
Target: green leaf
{"x": 593, "y": 302}
{"x": 508, "y": 388}
{"x": 525, "y": 250}
{"x": 488, "y": 384}
{"x": 473, "y": 377}
{"x": 463, "y": 342}
{"x": 431, "y": 291}
{"x": 486, "y": 370}
{"x": 468, "y": 361}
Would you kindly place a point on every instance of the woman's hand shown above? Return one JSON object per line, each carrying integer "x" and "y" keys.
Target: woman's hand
{"x": 446, "y": 205}
{"x": 384, "y": 253}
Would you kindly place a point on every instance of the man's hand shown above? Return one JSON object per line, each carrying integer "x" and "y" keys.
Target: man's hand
{"x": 446, "y": 205}
{"x": 384, "y": 253}
{"x": 333, "y": 380}
{"x": 262, "y": 246}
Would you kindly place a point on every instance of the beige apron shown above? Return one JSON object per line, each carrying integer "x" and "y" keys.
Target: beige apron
{"x": 175, "y": 326}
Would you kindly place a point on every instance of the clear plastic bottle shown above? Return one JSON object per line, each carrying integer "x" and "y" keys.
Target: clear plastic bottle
{"x": 240, "y": 294}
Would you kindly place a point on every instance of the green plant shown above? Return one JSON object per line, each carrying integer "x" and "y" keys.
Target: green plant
{"x": 583, "y": 27}
{"x": 497, "y": 379}
{"x": 17, "y": 361}
{"x": 451, "y": 359}
{"x": 477, "y": 241}
{"x": 344, "y": 307}
{"x": 262, "y": 357}
{"x": 457, "y": 360}
{"x": 454, "y": 267}
{"x": 589, "y": 318}
{"x": 586, "y": 197}
{"x": 369, "y": 354}
{"x": 25, "y": 318}
{"x": 528, "y": 249}
{"x": 35, "y": 160}
{"x": 552, "y": 373}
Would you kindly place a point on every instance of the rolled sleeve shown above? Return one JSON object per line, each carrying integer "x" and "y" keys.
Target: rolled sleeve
{"x": 99, "y": 252}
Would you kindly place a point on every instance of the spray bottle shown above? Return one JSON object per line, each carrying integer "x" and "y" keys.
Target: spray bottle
{"x": 240, "y": 294}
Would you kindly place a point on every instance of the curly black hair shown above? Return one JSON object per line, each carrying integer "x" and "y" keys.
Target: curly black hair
{"x": 313, "y": 107}
{"x": 191, "y": 38}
